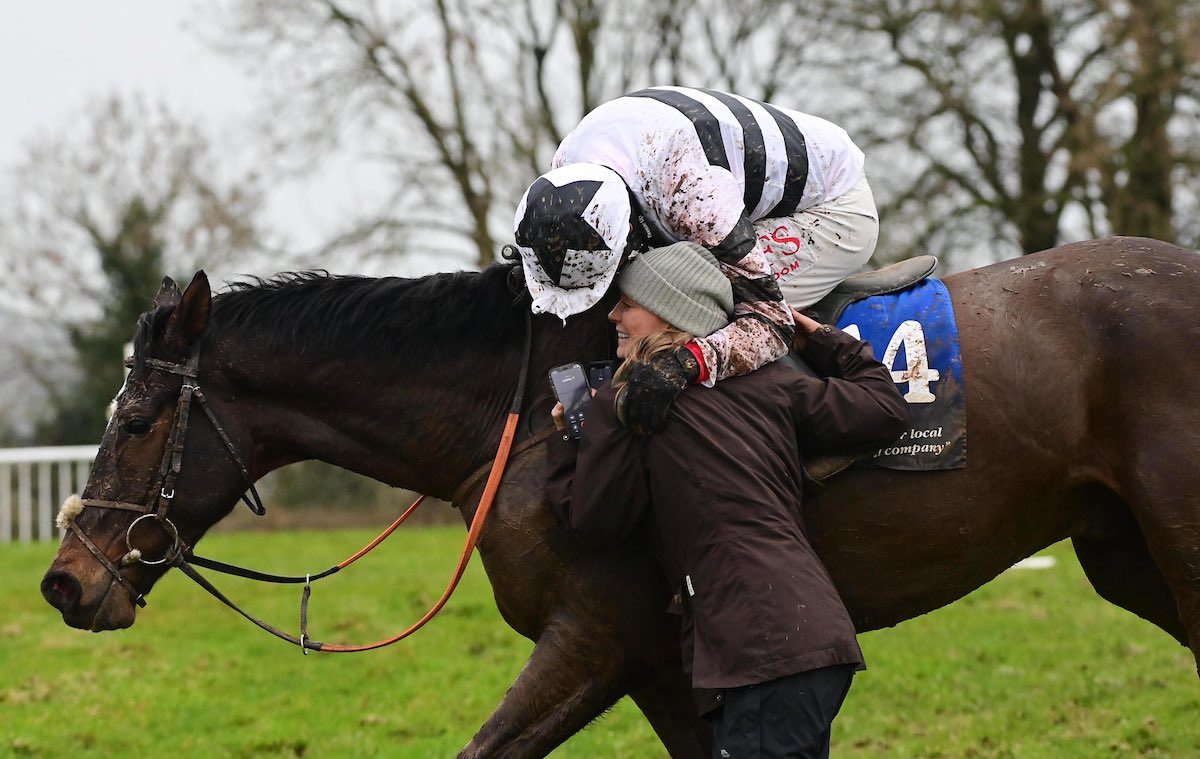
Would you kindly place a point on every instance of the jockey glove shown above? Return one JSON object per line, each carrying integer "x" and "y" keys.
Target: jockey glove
{"x": 652, "y": 386}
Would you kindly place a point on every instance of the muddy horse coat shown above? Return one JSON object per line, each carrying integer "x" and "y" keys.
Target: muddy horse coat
{"x": 1084, "y": 423}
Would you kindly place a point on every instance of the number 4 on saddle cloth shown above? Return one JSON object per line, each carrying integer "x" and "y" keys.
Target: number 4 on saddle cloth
{"x": 909, "y": 320}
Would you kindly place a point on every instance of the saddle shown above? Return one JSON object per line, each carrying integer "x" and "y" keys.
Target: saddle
{"x": 828, "y": 310}
{"x": 856, "y": 287}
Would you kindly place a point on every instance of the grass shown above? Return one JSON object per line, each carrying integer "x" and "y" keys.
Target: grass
{"x": 1033, "y": 665}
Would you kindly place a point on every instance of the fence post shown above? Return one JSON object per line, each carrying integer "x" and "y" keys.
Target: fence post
{"x": 6, "y": 504}
{"x": 25, "y": 501}
{"x": 64, "y": 486}
{"x": 45, "y": 498}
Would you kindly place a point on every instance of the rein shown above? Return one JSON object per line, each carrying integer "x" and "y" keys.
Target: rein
{"x": 180, "y": 555}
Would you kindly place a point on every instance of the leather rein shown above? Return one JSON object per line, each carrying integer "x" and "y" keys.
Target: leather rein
{"x": 180, "y": 555}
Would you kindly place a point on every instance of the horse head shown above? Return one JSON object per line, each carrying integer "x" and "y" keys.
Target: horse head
{"x": 130, "y": 521}
{"x": 402, "y": 380}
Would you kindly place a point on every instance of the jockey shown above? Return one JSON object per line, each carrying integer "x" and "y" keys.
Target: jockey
{"x": 779, "y": 198}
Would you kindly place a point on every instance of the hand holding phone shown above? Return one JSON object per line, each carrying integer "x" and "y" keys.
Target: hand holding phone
{"x": 571, "y": 387}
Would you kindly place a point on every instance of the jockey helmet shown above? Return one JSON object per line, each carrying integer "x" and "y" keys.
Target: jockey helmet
{"x": 572, "y": 228}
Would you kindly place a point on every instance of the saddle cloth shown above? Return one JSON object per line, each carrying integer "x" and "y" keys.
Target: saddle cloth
{"x": 914, "y": 335}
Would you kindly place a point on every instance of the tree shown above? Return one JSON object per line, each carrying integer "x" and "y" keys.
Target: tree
{"x": 1037, "y": 120}
{"x": 465, "y": 100}
{"x": 92, "y": 220}
{"x": 1158, "y": 43}
{"x": 993, "y": 127}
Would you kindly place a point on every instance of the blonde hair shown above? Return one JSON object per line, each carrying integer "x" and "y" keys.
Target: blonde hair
{"x": 645, "y": 348}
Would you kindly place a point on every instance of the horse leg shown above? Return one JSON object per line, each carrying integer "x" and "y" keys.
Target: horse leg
{"x": 667, "y": 705}
{"x": 571, "y": 678}
{"x": 1164, "y": 496}
{"x": 1117, "y": 562}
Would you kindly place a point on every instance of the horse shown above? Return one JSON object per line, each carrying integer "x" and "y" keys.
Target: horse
{"x": 1083, "y": 423}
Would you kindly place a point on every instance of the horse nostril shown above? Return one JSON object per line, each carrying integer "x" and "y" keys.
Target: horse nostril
{"x": 61, "y": 590}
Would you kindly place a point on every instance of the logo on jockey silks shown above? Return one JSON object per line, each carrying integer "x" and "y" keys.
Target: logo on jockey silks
{"x": 785, "y": 252}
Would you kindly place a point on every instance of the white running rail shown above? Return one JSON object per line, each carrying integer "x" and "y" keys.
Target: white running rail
{"x": 33, "y": 482}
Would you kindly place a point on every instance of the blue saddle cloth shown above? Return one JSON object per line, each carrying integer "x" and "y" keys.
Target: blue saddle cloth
{"x": 914, "y": 334}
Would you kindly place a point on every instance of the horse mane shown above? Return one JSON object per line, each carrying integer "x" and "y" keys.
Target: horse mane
{"x": 353, "y": 316}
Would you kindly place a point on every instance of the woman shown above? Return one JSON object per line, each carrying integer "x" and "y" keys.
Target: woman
{"x": 719, "y": 490}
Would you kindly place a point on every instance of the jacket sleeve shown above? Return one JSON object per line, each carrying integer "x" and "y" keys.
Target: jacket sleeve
{"x": 853, "y": 403}
{"x": 762, "y": 326}
{"x": 599, "y": 485}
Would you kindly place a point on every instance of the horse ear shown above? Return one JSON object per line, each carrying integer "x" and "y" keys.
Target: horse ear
{"x": 168, "y": 294}
{"x": 191, "y": 313}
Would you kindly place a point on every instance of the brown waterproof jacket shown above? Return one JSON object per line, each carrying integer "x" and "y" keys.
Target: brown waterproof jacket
{"x": 718, "y": 494}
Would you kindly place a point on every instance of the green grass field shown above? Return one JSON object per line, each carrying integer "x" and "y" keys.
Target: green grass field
{"x": 1033, "y": 665}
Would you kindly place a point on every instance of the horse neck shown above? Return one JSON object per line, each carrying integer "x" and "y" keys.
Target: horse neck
{"x": 424, "y": 426}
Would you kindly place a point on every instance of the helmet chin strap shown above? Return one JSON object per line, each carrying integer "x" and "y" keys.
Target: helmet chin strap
{"x": 641, "y": 234}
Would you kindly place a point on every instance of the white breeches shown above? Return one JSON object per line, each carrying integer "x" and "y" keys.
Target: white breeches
{"x": 813, "y": 250}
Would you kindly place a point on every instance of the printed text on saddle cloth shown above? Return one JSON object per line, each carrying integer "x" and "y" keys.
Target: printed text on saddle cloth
{"x": 914, "y": 335}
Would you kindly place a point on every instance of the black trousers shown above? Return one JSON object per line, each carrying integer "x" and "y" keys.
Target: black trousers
{"x": 790, "y": 717}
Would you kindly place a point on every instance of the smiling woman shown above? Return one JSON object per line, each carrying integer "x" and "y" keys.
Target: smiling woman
{"x": 633, "y": 323}
{"x": 717, "y": 494}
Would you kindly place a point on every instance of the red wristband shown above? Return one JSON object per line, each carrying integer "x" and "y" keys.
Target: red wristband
{"x": 695, "y": 349}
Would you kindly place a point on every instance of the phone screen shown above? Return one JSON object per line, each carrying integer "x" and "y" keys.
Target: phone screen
{"x": 600, "y": 373}
{"x": 571, "y": 387}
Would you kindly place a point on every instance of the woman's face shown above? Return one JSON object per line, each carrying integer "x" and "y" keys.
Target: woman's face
{"x": 632, "y": 321}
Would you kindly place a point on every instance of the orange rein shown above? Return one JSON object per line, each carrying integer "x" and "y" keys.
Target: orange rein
{"x": 485, "y": 506}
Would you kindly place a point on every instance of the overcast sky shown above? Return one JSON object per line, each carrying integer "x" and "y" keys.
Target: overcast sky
{"x": 57, "y": 55}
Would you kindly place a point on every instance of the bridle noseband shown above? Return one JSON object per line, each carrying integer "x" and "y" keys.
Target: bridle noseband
{"x": 159, "y": 502}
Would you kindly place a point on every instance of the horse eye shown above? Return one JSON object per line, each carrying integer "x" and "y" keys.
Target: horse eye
{"x": 137, "y": 426}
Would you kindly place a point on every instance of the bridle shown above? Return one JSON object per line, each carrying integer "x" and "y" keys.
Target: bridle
{"x": 180, "y": 555}
{"x": 163, "y": 494}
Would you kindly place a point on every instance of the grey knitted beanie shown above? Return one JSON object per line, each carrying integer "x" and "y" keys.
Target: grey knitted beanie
{"x": 683, "y": 285}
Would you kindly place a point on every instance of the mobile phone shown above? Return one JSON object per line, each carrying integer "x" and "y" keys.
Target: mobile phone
{"x": 571, "y": 387}
{"x": 600, "y": 373}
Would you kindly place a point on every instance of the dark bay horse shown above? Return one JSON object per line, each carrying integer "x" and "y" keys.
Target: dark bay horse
{"x": 1083, "y": 398}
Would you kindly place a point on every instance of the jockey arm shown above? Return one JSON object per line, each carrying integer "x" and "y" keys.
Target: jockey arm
{"x": 701, "y": 203}
{"x": 762, "y": 326}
